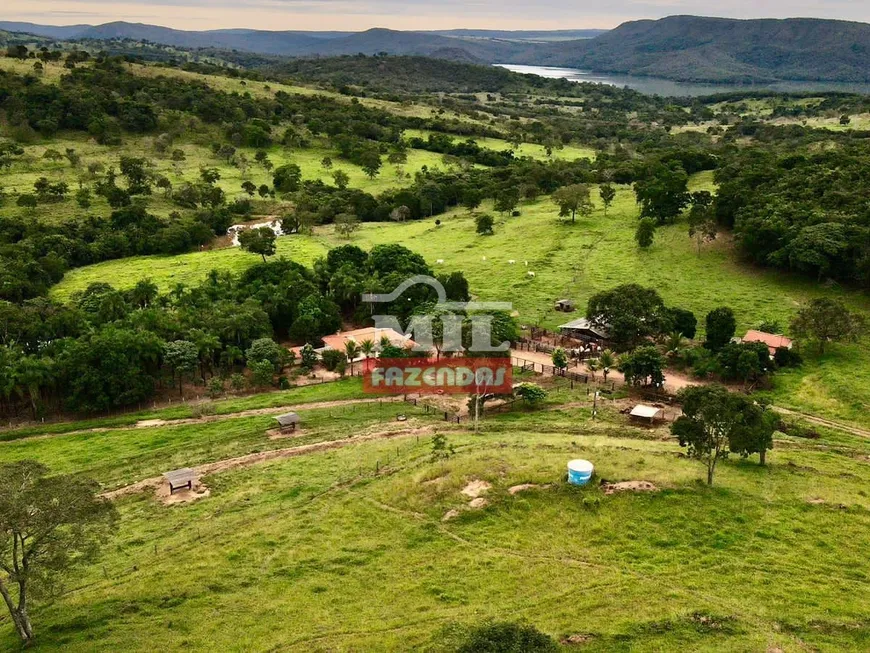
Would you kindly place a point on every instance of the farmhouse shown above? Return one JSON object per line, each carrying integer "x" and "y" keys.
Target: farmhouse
{"x": 583, "y": 329}
{"x": 339, "y": 340}
{"x": 772, "y": 341}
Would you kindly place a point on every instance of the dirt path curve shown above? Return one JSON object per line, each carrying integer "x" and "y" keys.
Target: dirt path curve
{"x": 205, "y": 419}
{"x": 821, "y": 421}
{"x": 264, "y": 456}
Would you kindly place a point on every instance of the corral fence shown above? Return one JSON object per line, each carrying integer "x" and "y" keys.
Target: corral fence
{"x": 535, "y": 367}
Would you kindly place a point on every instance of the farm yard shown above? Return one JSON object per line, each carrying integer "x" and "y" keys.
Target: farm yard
{"x": 141, "y": 350}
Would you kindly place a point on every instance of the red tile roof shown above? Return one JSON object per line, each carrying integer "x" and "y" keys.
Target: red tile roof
{"x": 772, "y": 341}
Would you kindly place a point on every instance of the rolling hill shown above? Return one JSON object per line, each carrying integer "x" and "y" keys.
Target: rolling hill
{"x": 690, "y": 48}
{"x": 684, "y": 48}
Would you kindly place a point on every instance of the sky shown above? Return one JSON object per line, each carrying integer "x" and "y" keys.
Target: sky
{"x": 356, "y": 15}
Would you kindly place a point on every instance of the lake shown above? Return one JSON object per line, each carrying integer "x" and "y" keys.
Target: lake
{"x": 667, "y": 87}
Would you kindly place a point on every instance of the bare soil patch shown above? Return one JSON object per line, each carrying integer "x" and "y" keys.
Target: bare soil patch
{"x": 516, "y": 489}
{"x": 629, "y": 486}
{"x": 475, "y": 488}
{"x": 198, "y": 492}
{"x": 477, "y": 503}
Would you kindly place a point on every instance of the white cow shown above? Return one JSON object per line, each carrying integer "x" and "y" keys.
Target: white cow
{"x": 511, "y": 261}
{"x": 440, "y": 261}
{"x": 530, "y": 273}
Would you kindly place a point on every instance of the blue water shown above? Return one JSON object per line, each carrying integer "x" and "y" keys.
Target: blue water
{"x": 670, "y": 88}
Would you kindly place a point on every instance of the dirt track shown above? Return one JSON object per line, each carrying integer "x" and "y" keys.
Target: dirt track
{"x": 265, "y": 456}
{"x": 205, "y": 419}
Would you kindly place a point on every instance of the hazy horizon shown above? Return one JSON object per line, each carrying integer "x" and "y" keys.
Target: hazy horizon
{"x": 353, "y": 15}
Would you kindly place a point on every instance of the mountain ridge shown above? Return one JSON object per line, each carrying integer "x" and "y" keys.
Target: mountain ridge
{"x": 682, "y": 48}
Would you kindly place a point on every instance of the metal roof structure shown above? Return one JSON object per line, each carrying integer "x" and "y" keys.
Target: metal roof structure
{"x": 288, "y": 419}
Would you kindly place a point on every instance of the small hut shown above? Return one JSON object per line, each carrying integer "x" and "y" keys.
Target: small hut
{"x": 287, "y": 423}
{"x": 565, "y": 306}
{"x": 646, "y": 414}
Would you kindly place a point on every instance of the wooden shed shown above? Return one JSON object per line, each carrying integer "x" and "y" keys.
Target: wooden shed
{"x": 565, "y": 306}
{"x": 287, "y": 423}
{"x": 646, "y": 414}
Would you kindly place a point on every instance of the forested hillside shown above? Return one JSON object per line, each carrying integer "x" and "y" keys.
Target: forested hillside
{"x": 692, "y": 48}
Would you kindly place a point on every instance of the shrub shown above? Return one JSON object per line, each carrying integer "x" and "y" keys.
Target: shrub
{"x": 785, "y": 357}
{"x": 215, "y": 387}
{"x": 332, "y": 358}
{"x": 507, "y": 637}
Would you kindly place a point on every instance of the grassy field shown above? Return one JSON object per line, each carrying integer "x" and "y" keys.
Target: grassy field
{"x": 573, "y": 261}
{"x": 321, "y": 553}
{"x": 568, "y": 152}
{"x": 30, "y": 167}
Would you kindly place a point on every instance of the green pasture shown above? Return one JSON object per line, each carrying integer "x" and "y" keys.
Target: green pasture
{"x": 347, "y": 550}
{"x": 533, "y": 150}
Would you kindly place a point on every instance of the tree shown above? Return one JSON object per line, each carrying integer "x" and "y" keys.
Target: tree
{"x": 607, "y": 194}
{"x": 308, "y": 357}
{"x": 592, "y": 366}
{"x": 572, "y": 200}
{"x": 755, "y": 433}
{"x": 287, "y": 178}
{"x": 266, "y": 349}
{"x": 341, "y": 179}
{"x": 560, "y": 359}
{"x": 346, "y": 224}
{"x": 262, "y": 373}
{"x": 182, "y": 357}
{"x": 531, "y": 393}
{"x": 721, "y": 326}
{"x": 704, "y": 428}
{"x": 506, "y": 199}
{"x": 249, "y": 187}
{"x": 326, "y": 163}
{"x": 630, "y": 313}
{"x": 702, "y": 219}
{"x": 683, "y": 322}
{"x": 400, "y": 214}
{"x": 352, "y": 352}
{"x": 367, "y": 347}
{"x": 483, "y": 224}
{"x": 48, "y": 526}
{"x": 606, "y": 361}
{"x": 643, "y": 367}
{"x": 645, "y": 233}
{"x": 370, "y": 162}
{"x": 825, "y": 320}
{"x": 260, "y": 240}
{"x": 664, "y": 193}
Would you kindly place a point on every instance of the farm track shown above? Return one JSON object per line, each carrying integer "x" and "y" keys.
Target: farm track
{"x": 206, "y": 419}
{"x": 265, "y": 456}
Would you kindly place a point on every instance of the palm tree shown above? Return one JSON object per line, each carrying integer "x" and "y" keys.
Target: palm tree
{"x": 607, "y": 359}
{"x": 592, "y": 366}
{"x": 351, "y": 350}
{"x": 674, "y": 343}
{"x": 367, "y": 347}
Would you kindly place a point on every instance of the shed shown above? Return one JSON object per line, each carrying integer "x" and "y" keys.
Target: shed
{"x": 584, "y": 329}
{"x": 288, "y": 422}
{"x": 648, "y": 414}
{"x": 565, "y": 305}
{"x": 180, "y": 478}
